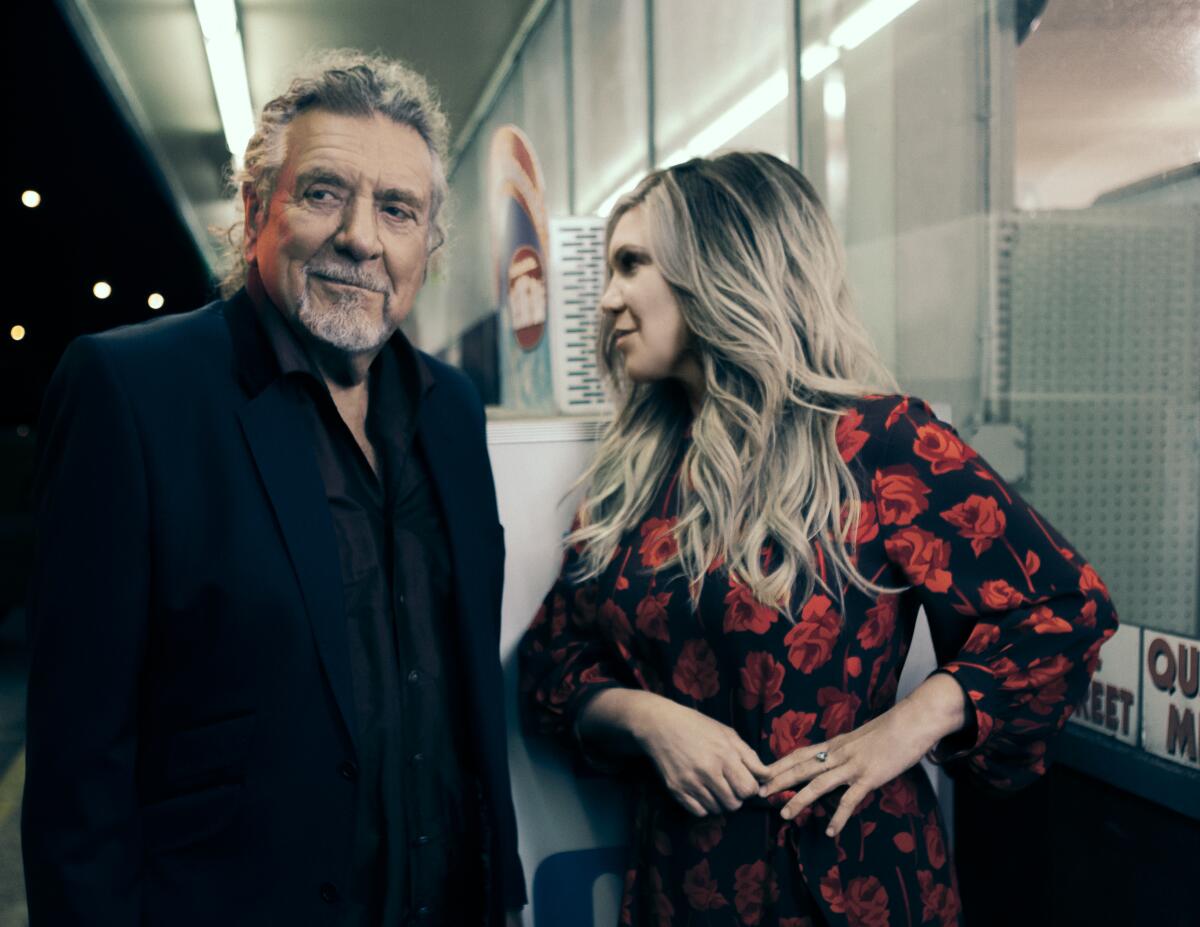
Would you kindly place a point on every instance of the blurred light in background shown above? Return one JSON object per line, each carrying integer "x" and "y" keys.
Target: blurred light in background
{"x": 155, "y": 301}
{"x": 17, "y": 332}
{"x": 101, "y": 290}
{"x": 227, "y": 65}
{"x": 31, "y": 198}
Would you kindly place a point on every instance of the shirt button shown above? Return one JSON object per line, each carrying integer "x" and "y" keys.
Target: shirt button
{"x": 349, "y": 770}
{"x": 329, "y": 892}
{"x": 413, "y": 676}
{"x": 400, "y": 598}
{"x": 423, "y": 911}
{"x": 422, "y": 840}
{"x": 417, "y": 758}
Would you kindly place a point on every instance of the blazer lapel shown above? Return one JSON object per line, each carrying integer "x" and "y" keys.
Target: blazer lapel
{"x": 445, "y": 453}
{"x": 276, "y": 431}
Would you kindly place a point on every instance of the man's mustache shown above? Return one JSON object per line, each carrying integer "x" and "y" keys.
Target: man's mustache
{"x": 348, "y": 274}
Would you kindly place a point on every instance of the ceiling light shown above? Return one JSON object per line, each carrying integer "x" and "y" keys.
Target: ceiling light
{"x": 155, "y": 301}
{"x": 31, "y": 198}
{"x": 101, "y": 290}
{"x": 227, "y": 66}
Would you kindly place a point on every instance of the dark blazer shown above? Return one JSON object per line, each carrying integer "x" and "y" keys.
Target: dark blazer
{"x": 191, "y": 741}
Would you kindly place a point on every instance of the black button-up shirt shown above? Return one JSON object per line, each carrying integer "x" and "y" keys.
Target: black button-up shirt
{"x": 417, "y": 809}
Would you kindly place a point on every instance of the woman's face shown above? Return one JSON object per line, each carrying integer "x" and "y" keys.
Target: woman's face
{"x": 647, "y": 324}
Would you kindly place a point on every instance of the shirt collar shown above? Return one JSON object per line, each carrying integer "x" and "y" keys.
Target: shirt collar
{"x": 292, "y": 358}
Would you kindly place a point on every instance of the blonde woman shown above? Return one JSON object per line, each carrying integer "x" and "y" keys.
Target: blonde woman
{"x": 739, "y": 589}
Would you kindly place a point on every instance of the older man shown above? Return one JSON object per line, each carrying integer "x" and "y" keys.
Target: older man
{"x": 265, "y": 685}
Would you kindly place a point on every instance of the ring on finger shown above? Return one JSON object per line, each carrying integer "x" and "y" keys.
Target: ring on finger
{"x": 822, "y": 756}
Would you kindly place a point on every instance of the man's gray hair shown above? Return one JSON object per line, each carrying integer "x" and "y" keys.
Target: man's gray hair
{"x": 348, "y": 83}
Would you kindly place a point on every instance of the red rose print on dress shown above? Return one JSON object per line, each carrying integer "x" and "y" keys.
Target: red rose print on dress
{"x": 1048, "y": 697}
{"x": 762, "y": 682}
{"x": 849, "y": 439}
{"x": 866, "y": 902}
{"x": 840, "y": 710}
{"x": 658, "y": 542}
{"x": 898, "y": 798}
{"x": 789, "y": 731}
{"x": 1043, "y": 621}
{"x": 939, "y": 901}
{"x": 1037, "y": 673}
{"x": 1090, "y": 582}
{"x": 614, "y": 620}
{"x": 881, "y": 622}
{"x": 999, "y": 596}
{"x": 980, "y": 520}
{"x": 706, "y": 833}
{"x": 831, "y": 890}
{"x": 935, "y": 847}
{"x": 652, "y": 616}
{"x": 899, "y": 494}
{"x": 594, "y": 674}
{"x": 810, "y": 642}
{"x": 744, "y": 612}
{"x": 904, "y": 842}
{"x": 753, "y": 884}
{"x": 701, "y": 889}
{"x": 942, "y": 448}
{"x": 664, "y": 911}
{"x": 868, "y": 524}
{"x": 923, "y": 557}
{"x": 894, "y": 416}
{"x": 696, "y": 671}
{"x": 983, "y": 636}
{"x": 1087, "y": 615}
{"x": 585, "y": 605}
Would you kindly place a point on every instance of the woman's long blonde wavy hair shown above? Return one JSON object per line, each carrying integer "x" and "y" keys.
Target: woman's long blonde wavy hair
{"x": 759, "y": 275}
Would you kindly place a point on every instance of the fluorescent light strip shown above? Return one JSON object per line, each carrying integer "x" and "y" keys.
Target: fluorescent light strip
{"x": 747, "y": 111}
{"x": 866, "y": 21}
{"x": 816, "y": 58}
{"x": 606, "y": 207}
{"x": 849, "y": 33}
{"x": 227, "y": 65}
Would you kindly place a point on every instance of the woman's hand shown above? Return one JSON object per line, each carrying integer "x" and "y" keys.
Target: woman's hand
{"x": 871, "y": 755}
{"x": 704, "y": 764}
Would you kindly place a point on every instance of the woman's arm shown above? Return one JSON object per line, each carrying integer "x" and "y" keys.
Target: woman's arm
{"x": 874, "y": 754}
{"x": 704, "y": 764}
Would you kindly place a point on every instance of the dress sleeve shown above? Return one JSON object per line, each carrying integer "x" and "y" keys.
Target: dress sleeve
{"x": 1017, "y": 616}
{"x": 566, "y": 659}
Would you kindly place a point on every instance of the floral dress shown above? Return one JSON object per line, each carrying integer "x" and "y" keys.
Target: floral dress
{"x": 1017, "y": 617}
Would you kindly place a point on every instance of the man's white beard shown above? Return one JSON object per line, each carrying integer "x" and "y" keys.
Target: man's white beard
{"x": 347, "y": 322}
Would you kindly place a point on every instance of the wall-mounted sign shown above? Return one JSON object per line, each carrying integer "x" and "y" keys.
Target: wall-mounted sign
{"x": 1171, "y": 709}
{"x": 520, "y": 239}
{"x": 1110, "y": 704}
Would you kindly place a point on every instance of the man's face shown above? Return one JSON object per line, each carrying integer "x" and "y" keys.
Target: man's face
{"x": 341, "y": 246}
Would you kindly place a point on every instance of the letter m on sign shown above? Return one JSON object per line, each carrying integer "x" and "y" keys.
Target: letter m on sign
{"x": 1181, "y": 733}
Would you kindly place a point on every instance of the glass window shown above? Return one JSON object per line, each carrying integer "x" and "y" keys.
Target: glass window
{"x": 1021, "y": 207}
{"x": 720, "y": 77}
{"x": 608, "y": 50}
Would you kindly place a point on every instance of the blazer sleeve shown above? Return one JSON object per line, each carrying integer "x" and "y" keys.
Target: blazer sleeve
{"x": 1016, "y": 614}
{"x": 88, "y": 616}
{"x": 564, "y": 660}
